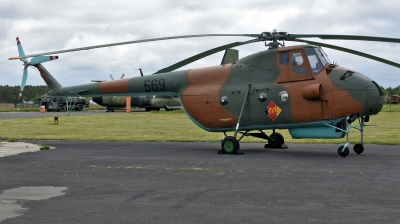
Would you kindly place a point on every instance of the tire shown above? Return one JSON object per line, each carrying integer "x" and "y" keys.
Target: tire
{"x": 343, "y": 153}
{"x": 281, "y": 138}
{"x": 230, "y": 145}
{"x": 278, "y": 140}
{"x": 358, "y": 148}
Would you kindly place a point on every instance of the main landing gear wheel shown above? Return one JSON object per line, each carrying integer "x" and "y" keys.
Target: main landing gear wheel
{"x": 278, "y": 140}
{"x": 358, "y": 148}
{"x": 343, "y": 153}
{"x": 230, "y": 145}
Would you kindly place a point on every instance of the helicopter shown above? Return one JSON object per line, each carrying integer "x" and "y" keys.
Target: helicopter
{"x": 283, "y": 87}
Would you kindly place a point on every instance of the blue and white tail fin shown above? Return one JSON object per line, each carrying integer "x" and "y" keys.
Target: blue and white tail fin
{"x": 36, "y": 61}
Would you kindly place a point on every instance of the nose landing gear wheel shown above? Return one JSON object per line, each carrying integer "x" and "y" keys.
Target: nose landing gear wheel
{"x": 230, "y": 145}
{"x": 343, "y": 152}
{"x": 358, "y": 148}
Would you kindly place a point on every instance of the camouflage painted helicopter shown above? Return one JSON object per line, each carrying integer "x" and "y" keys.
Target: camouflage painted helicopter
{"x": 295, "y": 88}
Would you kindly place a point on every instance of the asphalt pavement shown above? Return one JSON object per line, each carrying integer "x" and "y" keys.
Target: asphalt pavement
{"x": 136, "y": 182}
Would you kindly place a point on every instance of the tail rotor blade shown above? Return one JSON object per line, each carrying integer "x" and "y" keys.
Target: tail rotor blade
{"x": 24, "y": 77}
{"x": 40, "y": 59}
{"x": 20, "y": 49}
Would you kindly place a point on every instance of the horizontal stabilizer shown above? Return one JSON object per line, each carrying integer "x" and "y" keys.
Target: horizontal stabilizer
{"x": 40, "y": 59}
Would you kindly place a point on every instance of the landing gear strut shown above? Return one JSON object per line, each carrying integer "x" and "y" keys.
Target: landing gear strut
{"x": 358, "y": 148}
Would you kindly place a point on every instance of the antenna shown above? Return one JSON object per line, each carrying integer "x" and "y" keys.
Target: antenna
{"x": 140, "y": 69}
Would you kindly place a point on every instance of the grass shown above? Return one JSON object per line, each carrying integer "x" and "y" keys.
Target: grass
{"x": 44, "y": 147}
{"x": 22, "y": 109}
{"x": 173, "y": 126}
{"x": 34, "y": 109}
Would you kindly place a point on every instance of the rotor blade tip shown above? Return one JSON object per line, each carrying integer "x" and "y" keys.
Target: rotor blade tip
{"x": 14, "y": 58}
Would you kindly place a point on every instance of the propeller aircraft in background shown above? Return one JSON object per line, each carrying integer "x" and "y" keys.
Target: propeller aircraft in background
{"x": 284, "y": 87}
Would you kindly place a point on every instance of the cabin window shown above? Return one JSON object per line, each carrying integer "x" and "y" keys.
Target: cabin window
{"x": 297, "y": 59}
{"x": 284, "y": 59}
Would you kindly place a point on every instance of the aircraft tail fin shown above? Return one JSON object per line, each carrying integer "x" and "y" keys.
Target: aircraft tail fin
{"x": 230, "y": 56}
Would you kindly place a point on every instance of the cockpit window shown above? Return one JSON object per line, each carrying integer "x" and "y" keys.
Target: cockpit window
{"x": 297, "y": 59}
{"x": 284, "y": 59}
{"x": 322, "y": 56}
{"x": 315, "y": 62}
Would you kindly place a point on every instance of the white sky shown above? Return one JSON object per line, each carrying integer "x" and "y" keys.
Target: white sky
{"x": 49, "y": 25}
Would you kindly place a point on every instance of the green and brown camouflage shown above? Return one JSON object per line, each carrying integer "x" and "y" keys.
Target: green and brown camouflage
{"x": 295, "y": 88}
{"x": 307, "y": 98}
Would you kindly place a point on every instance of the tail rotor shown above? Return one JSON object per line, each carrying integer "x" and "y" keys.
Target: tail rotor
{"x": 35, "y": 61}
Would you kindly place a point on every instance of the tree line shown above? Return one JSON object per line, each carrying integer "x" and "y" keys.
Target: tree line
{"x": 391, "y": 91}
{"x": 10, "y": 93}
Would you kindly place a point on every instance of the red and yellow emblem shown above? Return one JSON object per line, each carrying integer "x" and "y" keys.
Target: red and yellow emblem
{"x": 272, "y": 111}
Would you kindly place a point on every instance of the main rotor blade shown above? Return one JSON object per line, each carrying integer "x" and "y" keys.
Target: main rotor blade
{"x": 345, "y": 37}
{"x": 203, "y": 55}
{"x": 131, "y": 42}
{"x": 352, "y": 52}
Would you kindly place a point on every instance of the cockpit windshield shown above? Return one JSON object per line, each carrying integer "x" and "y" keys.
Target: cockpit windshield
{"x": 322, "y": 56}
{"x": 317, "y": 59}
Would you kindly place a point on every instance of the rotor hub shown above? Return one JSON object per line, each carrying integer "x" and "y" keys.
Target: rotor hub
{"x": 274, "y": 37}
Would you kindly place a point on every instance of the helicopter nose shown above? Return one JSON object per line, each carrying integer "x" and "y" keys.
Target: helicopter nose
{"x": 375, "y": 97}
{"x": 97, "y": 99}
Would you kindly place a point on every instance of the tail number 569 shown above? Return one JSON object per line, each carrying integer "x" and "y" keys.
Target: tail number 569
{"x": 154, "y": 85}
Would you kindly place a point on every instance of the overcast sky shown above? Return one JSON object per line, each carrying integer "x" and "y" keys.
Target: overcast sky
{"x": 49, "y": 25}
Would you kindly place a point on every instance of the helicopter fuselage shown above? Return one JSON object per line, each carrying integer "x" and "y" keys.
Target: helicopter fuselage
{"x": 284, "y": 88}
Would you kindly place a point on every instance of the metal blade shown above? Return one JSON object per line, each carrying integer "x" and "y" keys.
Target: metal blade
{"x": 40, "y": 59}
{"x": 111, "y": 76}
{"x": 20, "y": 49}
{"x": 345, "y": 37}
{"x": 203, "y": 55}
{"x": 352, "y": 52}
{"x": 24, "y": 78}
{"x": 131, "y": 42}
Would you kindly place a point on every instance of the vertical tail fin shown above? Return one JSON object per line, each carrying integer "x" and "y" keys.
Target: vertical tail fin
{"x": 230, "y": 56}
